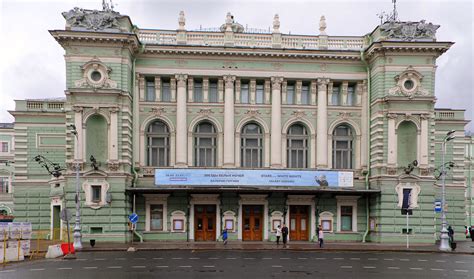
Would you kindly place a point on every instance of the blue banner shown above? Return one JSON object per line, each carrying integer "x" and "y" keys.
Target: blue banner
{"x": 227, "y": 177}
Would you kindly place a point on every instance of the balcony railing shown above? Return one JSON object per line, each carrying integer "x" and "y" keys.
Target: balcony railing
{"x": 254, "y": 40}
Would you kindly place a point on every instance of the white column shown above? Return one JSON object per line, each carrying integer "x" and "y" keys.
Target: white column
{"x": 276, "y": 123}
{"x": 322, "y": 130}
{"x": 78, "y": 142}
{"x": 363, "y": 125}
{"x": 181, "y": 123}
{"x": 391, "y": 141}
{"x": 113, "y": 146}
{"x": 229, "y": 121}
{"x": 424, "y": 141}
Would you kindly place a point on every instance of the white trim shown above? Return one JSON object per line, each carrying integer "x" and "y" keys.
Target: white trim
{"x": 326, "y": 216}
{"x": 255, "y": 200}
{"x": 347, "y": 201}
{"x": 156, "y": 199}
{"x": 204, "y": 199}
{"x": 302, "y": 200}
{"x": 86, "y": 187}
{"x": 56, "y": 201}
{"x": 178, "y": 215}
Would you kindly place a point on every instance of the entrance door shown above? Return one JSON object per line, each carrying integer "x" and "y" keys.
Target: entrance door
{"x": 299, "y": 218}
{"x": 56, "y": 222}
{"x": 252, "y": 222}
{"x": 205, "y": 222}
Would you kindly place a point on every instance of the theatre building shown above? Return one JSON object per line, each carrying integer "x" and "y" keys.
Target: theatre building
{"x": 243, "y": 129}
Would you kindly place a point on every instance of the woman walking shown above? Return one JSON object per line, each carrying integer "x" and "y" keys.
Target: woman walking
{"x": 278, "y": 234}
{"x": 321, "y": 237}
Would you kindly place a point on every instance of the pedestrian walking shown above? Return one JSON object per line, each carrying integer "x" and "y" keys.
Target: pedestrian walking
{"x": 278, "y": 234}
{"x": 317, "y": 232}
{"x": 472, "y": 233}
{"x": 224, "y": 236}
{"x": 284, "y": 233}
{"x": 452, "y": 244}
{"x": 321, "y": 237}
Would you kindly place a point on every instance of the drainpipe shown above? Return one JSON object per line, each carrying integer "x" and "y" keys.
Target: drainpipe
{"x": 364, "y": 238}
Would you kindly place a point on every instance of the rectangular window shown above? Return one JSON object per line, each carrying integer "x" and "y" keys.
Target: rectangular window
{"x": 350, "y": 95}
{"x": 305, "y": 95}
{"x": 4, "y": 146}
{"x": 213, "y": 93}
{"x": 335, "y": 95}
{"x": 4, "y": 185}
{"x": 346, "y": 218}
{"x": 259, "y": 93}
{"x": 96, "y": 193}
{"x": 166, "y": 91}
{"x": 150, "y": 89}
{"x": 156, "y": 217}
{"x": 290, "y": 94}
{"x": 198, "y": 96}
{"x": 244, "y": 93}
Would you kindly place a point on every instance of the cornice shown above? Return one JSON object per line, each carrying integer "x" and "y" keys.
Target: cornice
{"x": 251, "y": 52}
{"x": 388, "y": 46}
{"x": 65, "y": 36}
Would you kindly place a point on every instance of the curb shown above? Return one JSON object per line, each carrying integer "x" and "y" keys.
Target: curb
{"x": 273, "y": 249}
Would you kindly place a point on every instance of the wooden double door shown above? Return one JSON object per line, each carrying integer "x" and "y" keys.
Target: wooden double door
{"x": 252, "y": 222}
{"x": 299, "y": 222}
{"x": 205, "y": 222}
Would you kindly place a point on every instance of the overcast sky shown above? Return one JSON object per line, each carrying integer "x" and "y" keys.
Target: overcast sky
{"x": 32, "y": 63}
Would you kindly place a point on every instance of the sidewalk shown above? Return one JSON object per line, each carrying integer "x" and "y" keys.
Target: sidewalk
{"x": 463, "y": 247}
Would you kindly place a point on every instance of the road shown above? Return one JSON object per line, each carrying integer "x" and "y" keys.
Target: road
{"x": 247, "y": 264}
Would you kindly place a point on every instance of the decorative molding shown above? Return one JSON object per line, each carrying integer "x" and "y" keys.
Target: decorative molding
{"x": 408, "y": 31}
{"x": 228, "y": 80}
{"x": 299, "y": 114}
{"x": 113, "y": 165}
{"x": 253, "y": 113}
{"x": 158, "y": 111}
{"x": 205, "y": 112}
{"x": 408, "y": 83}
{"x": 276, "y": 81}
{"x": 345, "y": 115}
{"x": 95, "y": 74}
{"x": 415, "y": 191}
{"x": 92, "y": 19}
{"x": 392, "y": 115}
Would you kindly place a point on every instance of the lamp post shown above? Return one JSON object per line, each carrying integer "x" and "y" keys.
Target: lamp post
{"x": 77, "y": 227}
{"x": 444, "y": 243}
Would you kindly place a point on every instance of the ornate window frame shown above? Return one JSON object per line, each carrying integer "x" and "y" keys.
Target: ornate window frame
{"x": 156, "y": 199}
{"x": 409, "y": 75}
{"x": 87, "y": 188}
{"x": 347, "y": 201}
{"x": 326, "y": 216}
{"x": 88, "y": 80}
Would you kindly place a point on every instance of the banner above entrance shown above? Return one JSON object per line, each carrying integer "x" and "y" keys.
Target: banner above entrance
{"x": 221, "y": 177}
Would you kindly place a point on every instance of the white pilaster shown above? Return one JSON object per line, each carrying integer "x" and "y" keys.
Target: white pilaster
{"x": 391, "y": 141}
{"x": 276, "y": 123}
{"x": 78, "y": 143}
{"x": 229, "y": 122}
{"x": 322, "y": 130}
{"x": 424, "y": 141}
{"x": 113, "y": 146}
{"x": 364, "y": 125}
{"x": 181, "y": 123}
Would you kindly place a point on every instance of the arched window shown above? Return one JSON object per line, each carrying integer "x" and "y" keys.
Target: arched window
{"x": 158, "y": 144}
{"x": 251, "y": 146}
{"x": 342, "y": 141}
{"x": 97, "y": 138}
{"x": 205, "y": 145}
{"x": 406, "y": 143}
{"x": 297, "y": 147}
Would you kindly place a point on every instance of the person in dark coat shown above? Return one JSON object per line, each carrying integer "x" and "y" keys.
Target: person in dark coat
{"x": 284, "y": 233}
{"x": 224, "y": 236}
{"x": 451, "y": 234}
{"x": 472, "y": 233}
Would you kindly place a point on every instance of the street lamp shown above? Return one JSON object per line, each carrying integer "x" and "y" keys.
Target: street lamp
{"x": 444, "y": 243}
{"x": 77, "y": 227}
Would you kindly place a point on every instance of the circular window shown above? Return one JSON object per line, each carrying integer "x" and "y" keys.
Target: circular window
{"x": 408, "y": 84}
{"x": 96, "y": 76}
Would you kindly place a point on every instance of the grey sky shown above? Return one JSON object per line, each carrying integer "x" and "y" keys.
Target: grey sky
{"x": 32, "y": 63}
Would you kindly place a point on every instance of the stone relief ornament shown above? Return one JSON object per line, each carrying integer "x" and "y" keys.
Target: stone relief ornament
{"x": 299, "y": 114}
{"x": 408, "y": 31}
{"x": 113, "y": 165}
{"x": 95, "y": 74}
{"x": 205, "y": 112}
{"x": 276, "y": 24}
{"x": 92, "y": 19}
{"x": 408, "y": 84}
{"x": 158, "y": 111}
{"x": 252, "y": 112}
